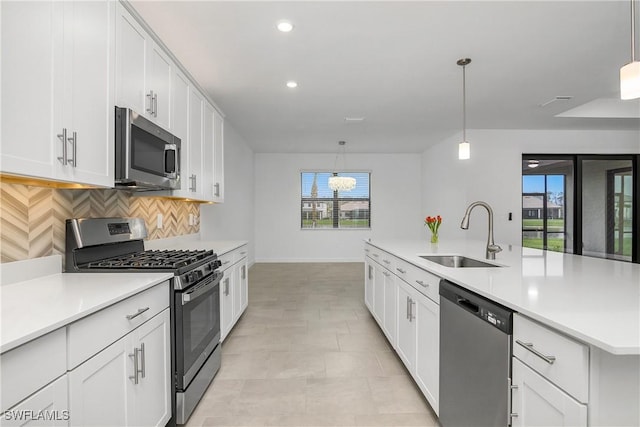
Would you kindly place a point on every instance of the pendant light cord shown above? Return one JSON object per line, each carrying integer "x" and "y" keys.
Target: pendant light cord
{"x": 633, "y": 31}
{"x": 464, "y": 104}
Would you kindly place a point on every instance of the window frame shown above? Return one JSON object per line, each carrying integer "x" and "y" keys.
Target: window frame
{"x": 335, "y": 200}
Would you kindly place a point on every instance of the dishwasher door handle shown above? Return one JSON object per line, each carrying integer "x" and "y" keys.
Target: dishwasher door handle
{"x": 468, "y": 304}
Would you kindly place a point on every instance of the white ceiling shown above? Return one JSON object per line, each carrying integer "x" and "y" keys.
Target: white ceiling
{"x": 394, "y": 63}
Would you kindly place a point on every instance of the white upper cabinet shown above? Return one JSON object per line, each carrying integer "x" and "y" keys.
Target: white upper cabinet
{"x": 57, "y": 90}
{"x": 208, "y": 166}
{"x": 218, "y": 157}
{"x": 196, "y": 141}
{"x": 143, "y": 71}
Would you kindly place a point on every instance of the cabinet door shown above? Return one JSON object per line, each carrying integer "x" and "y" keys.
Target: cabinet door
{"x": 88, "y": 92}
{"x": 368, "y": 283}
{"x": 237, "y": 291}
{"x": 131, "y": 53}
{"x": 390, "y": 307}
{"x": 195, "y": 143}
{"x": 31, "y": 68}
{"x": 51, "y": 400}
{"x": 378, "y": 294}
{"x": 428, "y": 349}
{"x": 207, "y": 152}
{"x": 244, "y": 285}
{"x": 180, "y": 126}
{"x": 406, "y": 344}
{"x": 218, "y": 157}
{"x": 152, "y": 394}
{"x": 158, "y": 81}
{"x": 226, "y": 303}
{"x": 537, "y": 402}
{"x": 100, "y": 390}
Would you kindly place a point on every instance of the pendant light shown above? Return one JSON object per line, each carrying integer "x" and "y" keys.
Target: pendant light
{"x": 341, "y": 183}
{"x": 464, "y": 148}
{"x": 630, "y": 73}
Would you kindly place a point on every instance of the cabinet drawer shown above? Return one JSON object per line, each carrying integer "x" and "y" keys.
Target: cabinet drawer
{"x": 425, "y": 282}
{"x": 227, "y": 260}
{"x": 388, "y": 261}
{"x": 97, "y": 331}
{"x": 241, "y": 252}
{"x": 31, "y": 366}
{"x": 560, "y": 359}
{"x": 401, "y": 269}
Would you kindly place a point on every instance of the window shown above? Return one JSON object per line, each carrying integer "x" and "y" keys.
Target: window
{"x": 323, "y": 208}
{"x": 583, "y": 204}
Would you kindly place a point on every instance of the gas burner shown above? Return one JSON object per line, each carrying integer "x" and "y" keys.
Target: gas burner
{"x": 153, "y": 259}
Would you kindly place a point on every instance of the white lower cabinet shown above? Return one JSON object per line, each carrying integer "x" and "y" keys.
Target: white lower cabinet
{"x": 404, "y": 301}
{"x": 234, "y": 289}
{"x": 427, "y": 373}
{"x": 368, "y": 282}
{"x": 48, "y": 407}
{"x": 537, "y": 402}
{"x": 127, "y": 383}
{"x": 406, "y": 342}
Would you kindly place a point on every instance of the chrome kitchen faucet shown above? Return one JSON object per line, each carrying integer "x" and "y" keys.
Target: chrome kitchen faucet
{"x": 492, "y": 248}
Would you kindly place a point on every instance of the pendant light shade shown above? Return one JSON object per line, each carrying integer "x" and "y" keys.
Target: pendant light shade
{"x": 630, "y": 73}
{"x": 341, "y": 183}
{"x": 464, "y": 148}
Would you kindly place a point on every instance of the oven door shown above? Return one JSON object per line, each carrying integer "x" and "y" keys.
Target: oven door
{"x": 197, "y": 317}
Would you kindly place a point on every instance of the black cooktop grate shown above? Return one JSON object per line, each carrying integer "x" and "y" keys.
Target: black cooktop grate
{"x": 157, "y": 259}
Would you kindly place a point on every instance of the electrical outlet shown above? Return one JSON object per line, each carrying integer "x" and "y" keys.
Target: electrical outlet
{"x": 159, "y": 220}
{"x": 192, "y": 220}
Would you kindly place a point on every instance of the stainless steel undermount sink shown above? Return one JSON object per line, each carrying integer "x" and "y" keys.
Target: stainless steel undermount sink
{"x": 457, "y": 261}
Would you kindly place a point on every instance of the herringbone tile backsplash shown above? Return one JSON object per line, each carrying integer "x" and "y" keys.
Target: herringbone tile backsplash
{"x": 32, "y": 218}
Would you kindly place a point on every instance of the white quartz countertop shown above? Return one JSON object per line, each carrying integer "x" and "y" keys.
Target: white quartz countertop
{"x": 33, "y": 308}
{"x": 220, "y": 247}
{"x": 594, "y": 300}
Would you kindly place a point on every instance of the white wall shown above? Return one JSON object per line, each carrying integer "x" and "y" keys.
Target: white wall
{"x": 494, "y": 174}
{"x": 395, "y": 206}
{"x": 233, "y": 219}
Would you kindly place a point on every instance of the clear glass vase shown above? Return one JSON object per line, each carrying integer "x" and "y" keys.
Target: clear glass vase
{"x": 434, "y": 237}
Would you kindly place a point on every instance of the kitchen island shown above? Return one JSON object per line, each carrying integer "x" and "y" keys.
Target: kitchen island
{"x": 591, "y": 305}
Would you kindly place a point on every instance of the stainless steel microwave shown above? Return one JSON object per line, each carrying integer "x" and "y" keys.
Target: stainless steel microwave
{"x": 147, "y": 156}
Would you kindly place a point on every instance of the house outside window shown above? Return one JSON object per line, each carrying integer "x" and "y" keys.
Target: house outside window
{"x": 323, "y": 208}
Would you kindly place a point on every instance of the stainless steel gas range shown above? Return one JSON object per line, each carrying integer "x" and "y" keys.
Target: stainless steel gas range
{"x": 116, "y": 244}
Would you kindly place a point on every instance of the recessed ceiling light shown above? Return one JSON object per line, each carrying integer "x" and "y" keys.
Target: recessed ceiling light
{"x": 291, "y": 84}
{"x": 284, "y": 26}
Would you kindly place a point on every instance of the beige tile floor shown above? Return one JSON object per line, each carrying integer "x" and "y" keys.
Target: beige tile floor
{"x": 307, "y": 353}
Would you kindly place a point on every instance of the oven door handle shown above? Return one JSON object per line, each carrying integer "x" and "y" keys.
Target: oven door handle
{"x": 190, "y": 296}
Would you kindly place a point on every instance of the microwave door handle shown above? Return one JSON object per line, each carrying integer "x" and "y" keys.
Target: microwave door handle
{"x": 174, "y": 148}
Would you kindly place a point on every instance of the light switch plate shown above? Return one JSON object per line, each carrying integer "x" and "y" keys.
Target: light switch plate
{"x": 159, "y": 220}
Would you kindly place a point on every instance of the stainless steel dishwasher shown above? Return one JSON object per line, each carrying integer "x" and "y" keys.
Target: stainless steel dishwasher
{"x": 475, "y": 359}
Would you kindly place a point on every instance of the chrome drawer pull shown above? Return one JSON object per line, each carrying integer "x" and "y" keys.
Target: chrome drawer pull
{"x": 386, "y": 261}
{"x": 140, "y": 311}
{"x": 421, "y": 283}
{"x": 386, "y": 274}
{"x": 401, "y": 270}
{"x": 376, "y": 255}
{"x": 529, "y": 346}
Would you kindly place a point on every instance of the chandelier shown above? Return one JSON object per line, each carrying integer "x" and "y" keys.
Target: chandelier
{"x": 464, "y": 148}
{"x": 341, "y": 183}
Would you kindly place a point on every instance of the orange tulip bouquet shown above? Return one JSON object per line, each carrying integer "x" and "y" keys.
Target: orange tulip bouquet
{"x": 433, "y": 223}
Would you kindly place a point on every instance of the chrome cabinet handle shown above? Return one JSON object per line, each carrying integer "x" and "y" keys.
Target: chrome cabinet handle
{"x": 226, "y": 286}
{"x": 376, "y": 255}
{"x": 367, "y": 250}
{"x": 421, "y": 283}
{"x": 386, "y": 261}
{"x": 408, "y": 308}
{"x": 155, "y": 105}
{"x": 386, "y": 274}
{"x": 529, "y": 346}
{"x": 142, "y": 359}
{"x": 150, "y": 107}
{"x": 244, "y": 272}
{"x": 134, "y": 377}
{"x": 140, "y": 311}
{"x": 412, "y": 303}
{"x": 63, "y": 137}
{"x": 226, "y": 262}
{"x": 216, "y": 189}
{"x": 74, "y": 150}
{"x": 243, "y": 253}
{"x": 401, "y": 270}
{"x": 370, "y": 272}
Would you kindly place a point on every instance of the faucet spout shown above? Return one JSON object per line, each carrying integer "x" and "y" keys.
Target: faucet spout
{"x": 492, "y": 248}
